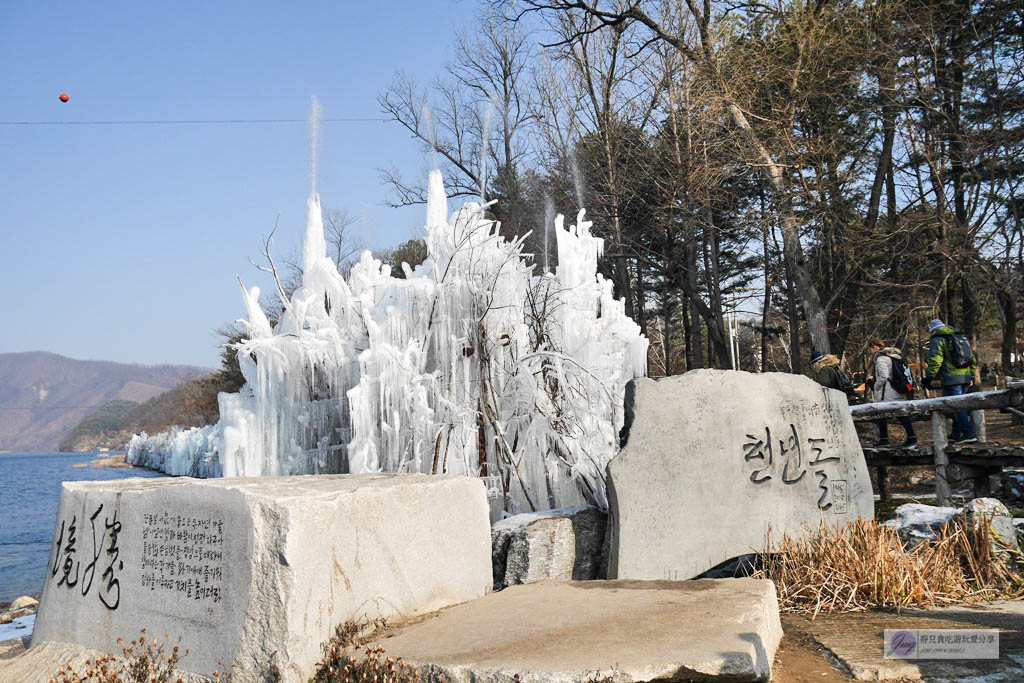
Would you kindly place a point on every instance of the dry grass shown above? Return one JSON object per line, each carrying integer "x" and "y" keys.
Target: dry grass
{"x": 143, "y": 661}
{"x": 343, "y": 663}
{"x": 374, "y": 665}
{"x": 864, "y": 565}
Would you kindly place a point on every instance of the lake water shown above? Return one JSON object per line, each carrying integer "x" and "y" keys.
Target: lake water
{"x": 29, "y": 494}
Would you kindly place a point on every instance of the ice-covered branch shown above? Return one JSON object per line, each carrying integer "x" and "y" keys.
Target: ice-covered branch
{"x": 471, "y": 365}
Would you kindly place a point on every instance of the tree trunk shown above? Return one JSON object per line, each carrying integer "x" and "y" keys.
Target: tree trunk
{"x": 971, "y": 314}
{"x": 794, "y": 323}
{"x": 1008, "y": 311}
{"x": 847, "y": 308}
{"x": 666, "y": 312}
{"x": 696, "y": 340}
{"x": 792, "y": 250}
{"x": 641, "y": 295}
{"x": 766, "y": 306}
{"x": 622, "y": 288}
{"x": 713, "y": 314}
{"x": 687, "y": 337}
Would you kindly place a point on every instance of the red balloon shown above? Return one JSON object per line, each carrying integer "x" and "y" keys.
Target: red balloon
{"x": 64, "y": 97}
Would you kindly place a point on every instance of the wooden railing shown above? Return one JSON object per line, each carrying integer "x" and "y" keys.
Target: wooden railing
{"x": 1010, "y": 399}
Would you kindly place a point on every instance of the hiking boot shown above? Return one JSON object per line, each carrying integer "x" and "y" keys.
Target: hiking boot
{"x": 965, "y": 439}
{"x": 880, "y": 443}
{"x": 909, "y": 442}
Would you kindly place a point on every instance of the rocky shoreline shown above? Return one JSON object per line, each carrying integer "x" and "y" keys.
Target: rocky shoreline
{"x": 115, "y": 460}
{"x": 15, "y": 632}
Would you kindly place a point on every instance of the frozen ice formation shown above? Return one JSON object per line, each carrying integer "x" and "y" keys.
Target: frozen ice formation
{"x": 472, "y": 364}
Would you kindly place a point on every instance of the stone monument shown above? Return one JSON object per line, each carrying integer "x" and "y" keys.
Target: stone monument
{"x": 258, "y": 572}
{"x": 714, "y": 459}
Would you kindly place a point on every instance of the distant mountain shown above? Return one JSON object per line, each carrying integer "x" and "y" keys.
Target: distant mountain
{"x": 191, "y": 403}
{"x": 43, "y": 396}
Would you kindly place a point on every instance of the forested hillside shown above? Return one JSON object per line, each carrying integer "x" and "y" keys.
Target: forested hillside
{"x": 44, "y": 395}
{"x": 192, "y": 402}
{"x": 186, "y": 405}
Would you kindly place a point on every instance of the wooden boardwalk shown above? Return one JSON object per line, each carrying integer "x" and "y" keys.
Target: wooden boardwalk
{"x": 953, "y": 463}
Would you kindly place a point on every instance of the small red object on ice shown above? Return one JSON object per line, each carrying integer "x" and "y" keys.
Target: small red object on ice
{"x": 64, "y": 97}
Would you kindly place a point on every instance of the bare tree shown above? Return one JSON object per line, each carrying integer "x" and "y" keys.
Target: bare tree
{"x": 699, "y": 48}
{"x": 613, "y": 100}
{"x": 474, "y": 120}
{"x": 343, "y": 246}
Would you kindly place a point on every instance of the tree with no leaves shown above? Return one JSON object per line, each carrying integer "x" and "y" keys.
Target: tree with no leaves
{"x": 698, "y": 47}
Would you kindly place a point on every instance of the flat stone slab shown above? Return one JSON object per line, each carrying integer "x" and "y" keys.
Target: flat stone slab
{"x": 857, "y": 642}
{"x": 11, "y": 647}
{"x": 573, "y": 632}
{"x": 258, "y": 571}
{"x": 40, "y": 664}
{"x": 713, "y": 459}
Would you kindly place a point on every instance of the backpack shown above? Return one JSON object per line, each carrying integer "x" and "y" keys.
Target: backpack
{"x": 960, "y": 354}
{"x": 844, "y": 383}
{"x": 900, "y": 378}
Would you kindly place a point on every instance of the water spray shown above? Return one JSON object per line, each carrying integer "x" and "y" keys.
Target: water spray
{"x": 316, "y": 115}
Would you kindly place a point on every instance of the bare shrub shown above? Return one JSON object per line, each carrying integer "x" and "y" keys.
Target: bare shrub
{"x": 144, "y": 660}
{"x": 373, "y": 665}
{"x": 342, "y": 662}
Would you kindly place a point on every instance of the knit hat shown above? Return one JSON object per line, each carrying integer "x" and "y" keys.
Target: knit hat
{"x": 816, "y": 356}
{"x": 935, "y": 324}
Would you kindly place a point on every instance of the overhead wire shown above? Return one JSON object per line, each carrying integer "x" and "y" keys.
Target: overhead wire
{"x": 151, "y": 122}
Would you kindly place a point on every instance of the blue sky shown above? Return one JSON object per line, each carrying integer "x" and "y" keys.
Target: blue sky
{"x": 123, "y": 242}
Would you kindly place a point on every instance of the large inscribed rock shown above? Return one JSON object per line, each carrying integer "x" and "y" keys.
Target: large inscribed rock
{"x": 259, "y": 571}
{"x": 712, "y": 459}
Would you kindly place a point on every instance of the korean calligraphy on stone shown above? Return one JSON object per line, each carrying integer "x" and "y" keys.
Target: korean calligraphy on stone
{"x": 789, "y": 457}
{"x": 69, "y": 565}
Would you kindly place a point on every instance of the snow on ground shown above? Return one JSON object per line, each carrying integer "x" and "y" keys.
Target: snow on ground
{"x": 18, "y": 628}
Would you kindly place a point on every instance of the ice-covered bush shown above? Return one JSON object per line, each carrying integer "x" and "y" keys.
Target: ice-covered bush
{"x": 473, "y": 364}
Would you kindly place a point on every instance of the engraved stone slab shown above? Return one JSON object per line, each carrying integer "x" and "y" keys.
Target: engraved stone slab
{"x": 714, "y": 458}
{"x": 258, "y": 571}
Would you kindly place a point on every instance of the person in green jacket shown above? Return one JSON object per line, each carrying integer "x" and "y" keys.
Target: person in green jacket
{"x": 955, "y": 381}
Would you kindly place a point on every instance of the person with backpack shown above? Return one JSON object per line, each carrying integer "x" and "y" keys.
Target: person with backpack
{"x": 893, "y": 382}
{"x": 952, "y": 362}
{"x": 827, "y": 373}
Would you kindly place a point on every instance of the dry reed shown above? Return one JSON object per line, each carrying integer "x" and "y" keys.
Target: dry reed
{"x": 864, "y": 565}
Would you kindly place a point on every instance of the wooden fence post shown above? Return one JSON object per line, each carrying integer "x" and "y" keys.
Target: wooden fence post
{"x": 943, "y": 494}
{"x": 882, "y": 475}
{"x": 978, "y": 420}
{"x": 982, "y": 484}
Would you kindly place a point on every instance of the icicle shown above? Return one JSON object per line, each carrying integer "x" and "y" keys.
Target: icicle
{"x": 437, "y": 201}
{"x": 375, "y": 373}
{"x": 314, "y": 249}
{"x": 258, "y": 324}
